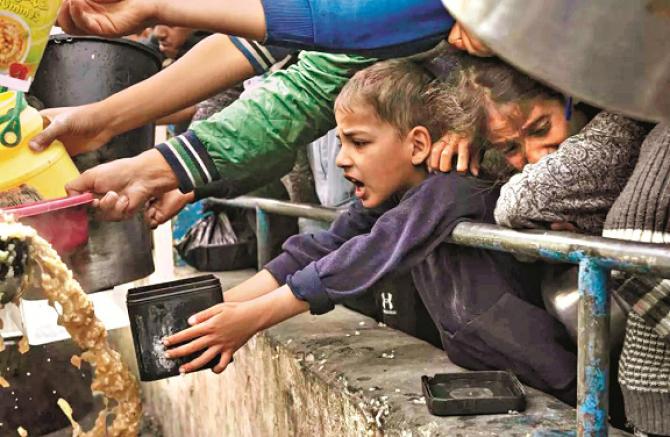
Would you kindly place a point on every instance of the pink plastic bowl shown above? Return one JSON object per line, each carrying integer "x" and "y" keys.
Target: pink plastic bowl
{"x": 62, "y": 222}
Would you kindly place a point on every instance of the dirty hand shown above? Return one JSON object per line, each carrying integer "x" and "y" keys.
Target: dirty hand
{"x": 443, "y": 151}
{"x": 110, "y": 18}
{"x": 165, "y": 207}
{"x": 126, "y": 184}
{"x": 462, "y": 39}
{"x": 224, "y": 328}
{"x": 219, "y": 330}
{"x": 80, "y": 128}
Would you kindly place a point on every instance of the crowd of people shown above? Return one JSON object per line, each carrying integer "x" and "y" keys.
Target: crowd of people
{"x": 414, "y": 130}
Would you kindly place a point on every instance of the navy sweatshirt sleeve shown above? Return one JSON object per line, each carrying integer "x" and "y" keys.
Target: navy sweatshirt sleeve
{"x": 357, "y": 26}
{"x": 401, "y": 238}
{"x": 300, "y": 250}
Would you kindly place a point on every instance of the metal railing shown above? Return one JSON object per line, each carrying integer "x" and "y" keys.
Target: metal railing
{"x": 596, "y": 257}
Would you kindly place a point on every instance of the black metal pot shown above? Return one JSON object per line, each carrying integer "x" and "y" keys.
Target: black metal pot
{"x": 76, "y": 71}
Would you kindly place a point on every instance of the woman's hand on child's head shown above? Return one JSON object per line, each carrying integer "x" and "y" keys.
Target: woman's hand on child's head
{"x": 217, "y": 331}
{"x": 462, "y": 39}
{"x": 450, "y": 145}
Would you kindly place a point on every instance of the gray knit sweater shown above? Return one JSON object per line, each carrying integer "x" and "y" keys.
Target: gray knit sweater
{"x": 593, "y": 172}
{"x": 578, "y": 183}
{"x": 642, "y": 213}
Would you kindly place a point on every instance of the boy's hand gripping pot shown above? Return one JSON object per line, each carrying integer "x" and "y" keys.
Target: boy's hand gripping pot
{"x": 26, "y": 176}
{"x": 24, "y": 32}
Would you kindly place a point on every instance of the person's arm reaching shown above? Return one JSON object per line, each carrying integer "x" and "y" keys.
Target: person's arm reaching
{"x": 252, "y": 139}
{"x": 331, "y": 25}
{"x": 257, "y": 135}
{"x": 263, "y": 300}
{"x": 224, "y": 328}
{"x": 302, "y": 249}
{"x": 126, "y": 184}
{"x": 116, "y": 18}
{"x": 305, "y": 249}
{"x": 577, "y": 184}
{"x": 214, "y": 64}
{"x": 401, "y": 238}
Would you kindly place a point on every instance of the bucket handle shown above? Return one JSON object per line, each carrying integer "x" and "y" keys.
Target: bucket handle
{"x": 10, "y": 135}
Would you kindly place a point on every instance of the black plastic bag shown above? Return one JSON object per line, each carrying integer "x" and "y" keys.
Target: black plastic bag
{"x": 214, "y": 243}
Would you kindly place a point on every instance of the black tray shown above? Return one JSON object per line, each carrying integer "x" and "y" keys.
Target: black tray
{"x": 467, "y": 393}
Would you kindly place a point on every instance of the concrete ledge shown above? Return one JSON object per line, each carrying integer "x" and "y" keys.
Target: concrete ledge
{"x": 335, "y": 375}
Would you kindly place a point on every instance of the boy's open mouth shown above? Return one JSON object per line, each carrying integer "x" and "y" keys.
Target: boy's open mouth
{"x": 359, "y": 185}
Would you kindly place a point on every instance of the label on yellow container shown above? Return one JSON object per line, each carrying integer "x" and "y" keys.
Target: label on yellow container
{"x": 24, "y": 32}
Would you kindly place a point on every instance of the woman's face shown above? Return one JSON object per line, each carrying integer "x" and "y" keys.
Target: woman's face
{"x": 526, "y": 132}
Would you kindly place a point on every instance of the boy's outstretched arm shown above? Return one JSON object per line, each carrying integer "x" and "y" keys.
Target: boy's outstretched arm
{"x": 224, "y": 328}
{"x": 245, "y": 300}
{"x": 259, "y": 284}
{"x": 400, "y": 239}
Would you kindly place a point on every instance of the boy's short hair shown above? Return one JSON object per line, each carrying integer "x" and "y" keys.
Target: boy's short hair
{"x": 398, "y": 91}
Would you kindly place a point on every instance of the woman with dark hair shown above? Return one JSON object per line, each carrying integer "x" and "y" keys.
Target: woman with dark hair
{"x": 571, "y": 173}
{"x": 609, "y": 177}
{"x": 580, "y": 158}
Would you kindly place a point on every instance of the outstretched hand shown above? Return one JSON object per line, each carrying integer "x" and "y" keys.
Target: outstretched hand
{"x": 110, "y": 18}
{"x": 80, "y": 128}
{"x": 224, "y": 328}
{"x": 446, "y": 148}
{"x": 218, "y": 331}
{"x": 125, "y": 184}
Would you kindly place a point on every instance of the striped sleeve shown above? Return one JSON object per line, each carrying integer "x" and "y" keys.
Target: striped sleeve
{"x": 189, "y": 160}
{"x": 647, "y": 296}
{"x": 261, "y": 57}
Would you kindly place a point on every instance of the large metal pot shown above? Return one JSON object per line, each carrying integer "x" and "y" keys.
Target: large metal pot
{"x": 81, "y": 70}
{"x": 561, "y": 298}
{"x": 612, "y": 53}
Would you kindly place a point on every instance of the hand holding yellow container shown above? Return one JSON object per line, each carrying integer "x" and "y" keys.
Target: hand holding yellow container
{"x": 24, "y": 32}
{"x": 26, "y": 175}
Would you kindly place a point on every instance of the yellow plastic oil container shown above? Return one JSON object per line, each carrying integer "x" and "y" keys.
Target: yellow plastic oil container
{"x": 25, "y": 174}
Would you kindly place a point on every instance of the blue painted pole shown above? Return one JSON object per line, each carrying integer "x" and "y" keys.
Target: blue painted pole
{"x": 263, "y": 237}
{"x": 593, "y": 350}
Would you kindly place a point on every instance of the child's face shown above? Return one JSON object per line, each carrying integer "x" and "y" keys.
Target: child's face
{"x": 171, "y": 39}
{"x": 526, "y": 136}
{"x": 374, "y": 157}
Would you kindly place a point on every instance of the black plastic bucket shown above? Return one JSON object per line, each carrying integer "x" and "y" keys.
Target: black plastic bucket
{"x": 160, "y": 310}
{"x": 77, "y": 70}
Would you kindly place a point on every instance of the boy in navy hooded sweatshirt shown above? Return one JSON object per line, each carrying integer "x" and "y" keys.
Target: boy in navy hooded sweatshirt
{"x": 485, "y": 304}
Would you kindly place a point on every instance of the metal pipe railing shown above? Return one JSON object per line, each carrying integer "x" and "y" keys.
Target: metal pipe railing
{"x": 596, "y": 257}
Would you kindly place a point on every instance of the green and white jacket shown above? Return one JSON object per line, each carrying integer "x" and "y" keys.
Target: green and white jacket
{"x": 253, "y": 141}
